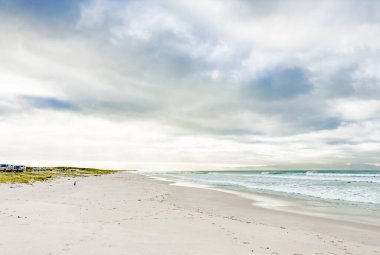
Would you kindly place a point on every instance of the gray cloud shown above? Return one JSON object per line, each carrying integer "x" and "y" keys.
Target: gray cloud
{"x": 222, "y": 70}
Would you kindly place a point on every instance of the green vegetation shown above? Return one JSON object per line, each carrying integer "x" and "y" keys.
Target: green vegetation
{"x": 49, "y": 174}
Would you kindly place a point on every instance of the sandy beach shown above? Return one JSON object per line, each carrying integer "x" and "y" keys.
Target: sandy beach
{"x": 127, "y": 213}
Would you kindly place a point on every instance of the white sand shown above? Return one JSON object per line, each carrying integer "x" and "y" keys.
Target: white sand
{"x": 131, "y": 214}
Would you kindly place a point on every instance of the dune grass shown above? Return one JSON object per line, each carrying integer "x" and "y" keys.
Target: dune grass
{"x": 29, "y": 177}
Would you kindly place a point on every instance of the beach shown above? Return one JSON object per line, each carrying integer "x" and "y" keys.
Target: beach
{"x": 127, "y": 213}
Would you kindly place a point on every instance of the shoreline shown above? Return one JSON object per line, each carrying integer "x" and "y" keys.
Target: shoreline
{"x": 128, "y": 213}
{"x": 314, "y": 207}
{"x": 335, "y": 227}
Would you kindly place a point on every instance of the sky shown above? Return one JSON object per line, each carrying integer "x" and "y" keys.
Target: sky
{"x": 190, "y": 85}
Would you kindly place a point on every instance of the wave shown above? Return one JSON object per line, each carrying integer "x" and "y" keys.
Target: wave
{"x": 311, "y": 173}
{"x": 312, "y": 177}
{"x": 361, "y": 187}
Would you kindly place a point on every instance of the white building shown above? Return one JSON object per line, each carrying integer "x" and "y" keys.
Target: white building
{"x": 12, "y": 168}
{"x": 38, "y": 169}
{"x": 6, "y": 167}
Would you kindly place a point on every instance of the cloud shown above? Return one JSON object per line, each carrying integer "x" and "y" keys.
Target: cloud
{"x": 236, "y": 82}
{"x": 356, "y": 110}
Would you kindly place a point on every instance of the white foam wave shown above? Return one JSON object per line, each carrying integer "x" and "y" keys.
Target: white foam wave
{"x": 343, "y": 174}
{"x": 352, "y": 187}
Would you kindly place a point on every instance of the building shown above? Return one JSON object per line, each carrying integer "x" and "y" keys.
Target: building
{"x": 19, "y": 168}
{"x": 38, "y": 169}
{"x": 6, "y": 167}
{"x": 12, "y": 168}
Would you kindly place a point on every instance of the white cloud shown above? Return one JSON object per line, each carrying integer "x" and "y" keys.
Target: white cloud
{"x": 174, "y": 84}
{"x": 356, "y": 110}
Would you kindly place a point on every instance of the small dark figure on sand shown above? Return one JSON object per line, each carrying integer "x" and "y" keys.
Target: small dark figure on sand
{"x": 75, "y": 183}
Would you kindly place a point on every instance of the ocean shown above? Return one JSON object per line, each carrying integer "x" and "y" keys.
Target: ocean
{"x": 352, "y": 187}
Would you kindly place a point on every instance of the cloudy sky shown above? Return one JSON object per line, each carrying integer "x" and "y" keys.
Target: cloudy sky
{"x": 177, "y": 84}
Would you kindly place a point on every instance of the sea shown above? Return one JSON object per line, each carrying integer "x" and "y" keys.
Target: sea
{"x": 355, "y": 189}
